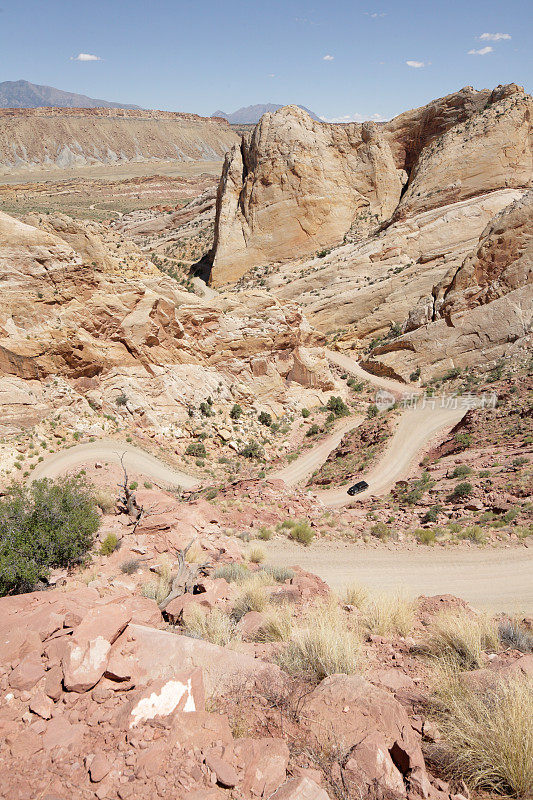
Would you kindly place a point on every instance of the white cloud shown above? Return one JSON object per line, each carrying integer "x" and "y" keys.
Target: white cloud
{"x": 327, "y": 57}
{"x": 483, "y": 51}
{"x": 356, "y": 118}
{"x": 376, "y": 14}
{"x": 272, "y": 75}
{"x": 416, "y": 64}
{"x": 85, "y": 57}
{"x": 494, "y": 37}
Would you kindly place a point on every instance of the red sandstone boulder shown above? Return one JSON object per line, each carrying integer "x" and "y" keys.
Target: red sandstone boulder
{"x": 300, "y": 789}
{"x": 373, "y": 732}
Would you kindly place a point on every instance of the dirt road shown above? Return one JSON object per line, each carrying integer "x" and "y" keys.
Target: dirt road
{"x": 496, "y": 579}
{"x": 304, "y": 466}
{"x": 349, "y": 364}
{"x": 109, "y": 450}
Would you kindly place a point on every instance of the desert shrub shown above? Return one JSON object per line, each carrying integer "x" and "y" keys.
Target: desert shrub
{"x": 313, "y": 430}
{"x": 196, "y": 449}
{"x": 464, "y": 440}
{"x": 380, "y": 530}
{"x": 121, "y": 400}
{"x": 236, "y": 412}
{"x": 148, "y": 485}
{"x": 372, "y": 411}
{"x": 459, "y": 638}
{"x": 462, "y": 489}
{"x": 356, "y": 386}
{"x": 326, "y": 646}
{"x": 474, "y": 533}
{"x": 305, "y": 413}
{"x": 232, "y": 573}
{"x": 487, "y": 736}
{"x": 301, "y": 532}
{"x": 159, "y": 587}
{"x": 109, "y": 544}
{"x": 415, "y": 375}
{"x": 265, "y": 533}
{"x": 252, "y": 450}
{"x": 519, "y": 462}
{"x": 265, "y": 418}
{"x": 277, "y": 626}
{"x": 252, "y": 597}
{"x": 214, "y": 626}
{"x": 337, "y": 406}
{"x": 389, "y": 614}
{"x": 510, "y": 515}
{"x": 256, "y": 555}
{"x": 130, "y": 567}
{"x": 279, "y": 574}
{"x": 355, "y": 595}
{"x": 513, "y": 634}
{"x": 432, "y": 513}
{"x": 425, "y": 535}
{"x": 211, "y": 494}
{"x": 461, "y": 471}
{"x": 105, "y": 500}
{"x": 49, "y": 524}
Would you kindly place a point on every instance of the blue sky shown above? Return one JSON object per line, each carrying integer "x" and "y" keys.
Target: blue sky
{"x": 341, "y": 58}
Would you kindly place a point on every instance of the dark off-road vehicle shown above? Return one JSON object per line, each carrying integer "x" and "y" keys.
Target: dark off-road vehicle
{"x": 360, "y": 486}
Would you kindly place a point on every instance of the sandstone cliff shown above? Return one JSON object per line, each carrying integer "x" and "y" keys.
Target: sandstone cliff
{"x": 53, "y": 137}
{"x": 71, "y": 329}
{"x": 486, "y": 311}
{"x": 295, "y": 186}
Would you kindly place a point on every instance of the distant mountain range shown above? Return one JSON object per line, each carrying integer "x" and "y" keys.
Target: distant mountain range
{"x": 23, "y": 94}
{"x": 250, "y": 115}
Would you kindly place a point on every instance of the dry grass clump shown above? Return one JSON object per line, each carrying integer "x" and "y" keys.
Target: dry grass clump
{"x": 105, "y": 500}
{"x": 159, "y": 587}
{"x": 253, "y": 596}
{"x": 279, "y": 574}
{"x": 355, "y": 595}
{"x": 324, "y": 647}
{"x": 256, "y": 555}
{"x": 487, "y": 734}
{"x": 232, "y": 573}
{"x": 459, "y": 638}
{"x": 277, "y": 626}
{"x": 389, "y": 614}
{"x": 195, "y": 554}
{"x": 214, "y": 626}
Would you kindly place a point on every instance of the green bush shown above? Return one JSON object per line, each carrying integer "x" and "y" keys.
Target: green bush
{"x": 313, "y": 430}
{"x": 302, "y": 533}
{"x": 305, "y": 413}
{"x": 280, "y": 574}
{"x": 380, "y": 530}
{"x": 462, "y": 489}
{"x": 265, "y": 419}
{"x": 196, "y": 449}
{"x": 461, "y": 471}
{"x": 373, "y": 410}
{"x": 337, "y": 406}
{"x": 236, "y": 411}
{"x": 425, "y": 535}
{"x": 49, "y": 524}
{"x": 109, "y": 545}
{"x": 252, "y": 450}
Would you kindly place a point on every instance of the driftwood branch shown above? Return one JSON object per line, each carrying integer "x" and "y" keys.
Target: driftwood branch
{"x": 127, "y": 501}
{"x": 186, "y": 577}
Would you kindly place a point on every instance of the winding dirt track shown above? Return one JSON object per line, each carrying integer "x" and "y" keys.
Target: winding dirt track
{"x": 135, "y": 460}
{"x": 499, "y": 579}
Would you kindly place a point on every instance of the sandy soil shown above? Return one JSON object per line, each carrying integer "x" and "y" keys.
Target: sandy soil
{"x": 111, "y": 171}
{"x": 498, "y": 579}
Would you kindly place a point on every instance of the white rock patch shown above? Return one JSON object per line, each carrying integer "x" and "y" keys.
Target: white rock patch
{"x": 163, "y": 703}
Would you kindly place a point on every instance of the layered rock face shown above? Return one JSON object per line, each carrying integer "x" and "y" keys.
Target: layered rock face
{"x": 67, "y": 137}
{"x": 295, "y": 185}
{"x": 102, "y": 331}
{"x": 486, "y": 310}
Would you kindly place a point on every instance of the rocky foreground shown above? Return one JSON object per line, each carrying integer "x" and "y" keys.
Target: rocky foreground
{"x": 105, "y": 695}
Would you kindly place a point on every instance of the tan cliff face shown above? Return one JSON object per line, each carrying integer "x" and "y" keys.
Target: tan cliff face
{"x": 486, "y": 311}
{"x": 295, "y": 186}
{"x": 103, "y": 331}
{"x": 65, "y": 137}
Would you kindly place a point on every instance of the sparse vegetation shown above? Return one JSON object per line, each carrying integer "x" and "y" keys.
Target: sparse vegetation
{"x": 459, "y": 638}
{"x": 389, "y": 614}
{"x": 49, "y": 524}
{"x": 326, "y": 646}
{"x": 487, "y": 736}
{"x": 109, "y": 544}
